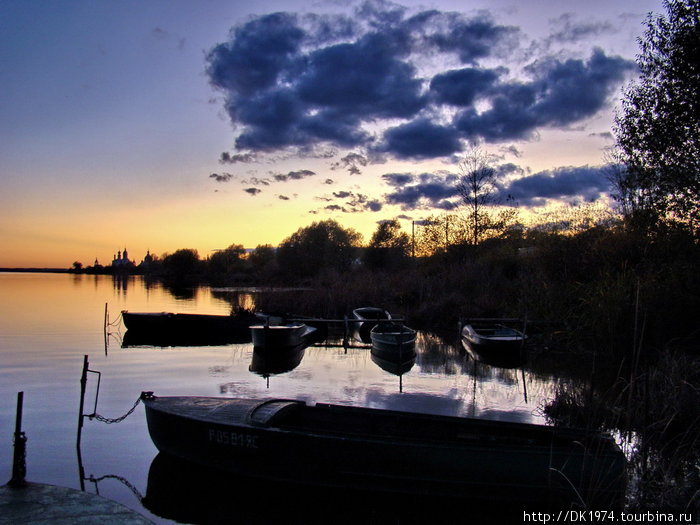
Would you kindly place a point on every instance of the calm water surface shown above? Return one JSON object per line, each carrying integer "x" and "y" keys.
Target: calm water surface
{"x": 48, "y": 322}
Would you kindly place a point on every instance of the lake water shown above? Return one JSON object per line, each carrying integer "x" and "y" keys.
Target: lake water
{"x": 48, "y": 322}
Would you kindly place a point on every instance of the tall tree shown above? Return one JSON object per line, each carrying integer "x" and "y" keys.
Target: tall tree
{"x": 389, "y": 246}
{"x": 324, "y": 244}
{"x": 658, "y": 129}
{"x": 477, "y": 188}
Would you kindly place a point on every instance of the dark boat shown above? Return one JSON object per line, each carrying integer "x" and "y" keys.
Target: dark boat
{"x": 280, "y": 335}
{"x": 393, "y": 340}
{"x": 386, "y": 450}
{"x": 367, "y": 318}
{"x": 492, "y": 334}
{"x": 166, "y": 328}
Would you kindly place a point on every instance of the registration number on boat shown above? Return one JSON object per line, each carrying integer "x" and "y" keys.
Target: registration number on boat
{"x": 235, "y": 439}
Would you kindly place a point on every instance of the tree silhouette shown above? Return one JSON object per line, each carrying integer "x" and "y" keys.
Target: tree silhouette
{"x": 657, "y": 131}
{"x": 324, "y": 244}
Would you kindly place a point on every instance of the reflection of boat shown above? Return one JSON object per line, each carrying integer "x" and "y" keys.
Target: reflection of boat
{"x": 366, "y": 318}
{"x": 387, "y": 450}
{"x": 135, "y": 338}
{"x": 187, "y": 493}
{"x": 394, "y": 364}
{"x": 280, "y": 335}
{"x": 393, "y": 340}
{"x": 267, "y": 361}
{"x": 499, "y": 357}
{"x": 168, "y": 328}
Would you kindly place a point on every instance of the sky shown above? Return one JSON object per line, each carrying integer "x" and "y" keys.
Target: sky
{"x": 166, "y": 124}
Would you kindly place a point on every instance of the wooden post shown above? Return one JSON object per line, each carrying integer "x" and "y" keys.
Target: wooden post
{"x": 19, "y": 463}
{"x": 83, "y": 384}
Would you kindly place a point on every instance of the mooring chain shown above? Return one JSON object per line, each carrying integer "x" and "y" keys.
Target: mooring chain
{"x": 122, "y": 480}
{"x": 109, "y": 421}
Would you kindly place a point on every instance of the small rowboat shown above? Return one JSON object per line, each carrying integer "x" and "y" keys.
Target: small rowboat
{"x": 489, "y": 334}
{"x": 367, "y": 318}
{"x": 281, "y": 335}
{"x": 393, "y": 340}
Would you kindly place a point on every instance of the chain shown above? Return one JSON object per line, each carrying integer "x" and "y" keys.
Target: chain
{"x": 122, "y": 480}
{"x": 109, "y": 421}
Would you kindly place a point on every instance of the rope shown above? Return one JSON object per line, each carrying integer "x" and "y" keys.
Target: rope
{"x": 109, "y": 421}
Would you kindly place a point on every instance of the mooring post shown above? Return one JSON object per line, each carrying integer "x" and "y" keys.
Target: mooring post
{"x": 83, "y": 384}
{"x": 19, "y": 463}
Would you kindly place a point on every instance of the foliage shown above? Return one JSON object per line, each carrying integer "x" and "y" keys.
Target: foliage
{"x": 323, "y": 245}
{"x": 658, "y": 135}
{"x": 227, "y": 262}
{"x": 389, "y": 246}
{"x": 182, "y": 263}
{"x": 263, "y": 260}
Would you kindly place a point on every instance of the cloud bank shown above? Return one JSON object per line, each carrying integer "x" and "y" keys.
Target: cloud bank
{"x": 407, "y": 85}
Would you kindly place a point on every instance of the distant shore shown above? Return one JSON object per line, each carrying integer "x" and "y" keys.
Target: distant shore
{"x": 35, "y": 270}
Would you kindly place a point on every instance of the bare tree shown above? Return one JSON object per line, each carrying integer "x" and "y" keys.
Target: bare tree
{"x": 477, "y": 188}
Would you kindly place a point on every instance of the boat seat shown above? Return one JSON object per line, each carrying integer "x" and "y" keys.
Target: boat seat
{"x": 274, "y": 411}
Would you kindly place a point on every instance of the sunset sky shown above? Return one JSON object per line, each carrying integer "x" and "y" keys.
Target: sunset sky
{"x": 158, "y": 125}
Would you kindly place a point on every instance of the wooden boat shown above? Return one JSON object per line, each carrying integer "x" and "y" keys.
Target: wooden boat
{"x": 281, "y": 335}
{"x": 366, "y": 318}
{"x": 492, "y": 334}
{"x": 177, "y": 324}
{"x": 351, "y": 447}
{"x": 393, "y": 340}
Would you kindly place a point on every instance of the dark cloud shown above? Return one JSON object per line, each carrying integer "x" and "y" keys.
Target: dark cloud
{"x": 301, "y": 81}
{"x": 229, "y": 158}
{"x": 351, "y": 162}
{"x": 351, "y": 202}
{"x": 461, "y": 87}
{"x": 574, "y": 183}
{"x": 421, "y": 139}
{"x": 560, "y": 94}
{"x": 255, "y": 181}
{"x": 425, "y": 190}
{"x": 293, "y": 175}
{"x": 283, "y": 197}
{"x": 221, "y": 177}
{"x": 439, "y": 191}
{"x": 568, "y": 29}
{"x": 252, "y": 191}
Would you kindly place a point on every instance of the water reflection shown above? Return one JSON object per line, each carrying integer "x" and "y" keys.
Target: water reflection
{"x": 180, "y": 491}
{"x": 48, "y": 322}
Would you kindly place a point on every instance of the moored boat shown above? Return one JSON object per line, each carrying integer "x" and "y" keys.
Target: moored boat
{"x": 367, "y": 318}
{"x": 491, "y": 334}
{"x": 174, "y": 324}
{"x": 375, "y": 449}
{"x": 280, "y": 335}
{"x": 393, "y": 339}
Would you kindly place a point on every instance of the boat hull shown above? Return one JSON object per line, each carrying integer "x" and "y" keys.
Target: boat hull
{"x": 367, "y": 318}
{"x": 178, "y": 329}
{"x": 393, "y": 341}
{"x": 344, "y": 446}
{"x": 280, "y": 336}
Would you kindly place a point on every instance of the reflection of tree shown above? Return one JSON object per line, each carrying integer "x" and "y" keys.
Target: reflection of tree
{"x": 438, "y": 357}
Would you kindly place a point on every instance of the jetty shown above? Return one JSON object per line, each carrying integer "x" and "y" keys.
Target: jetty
{"x": 29, "y": 503}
